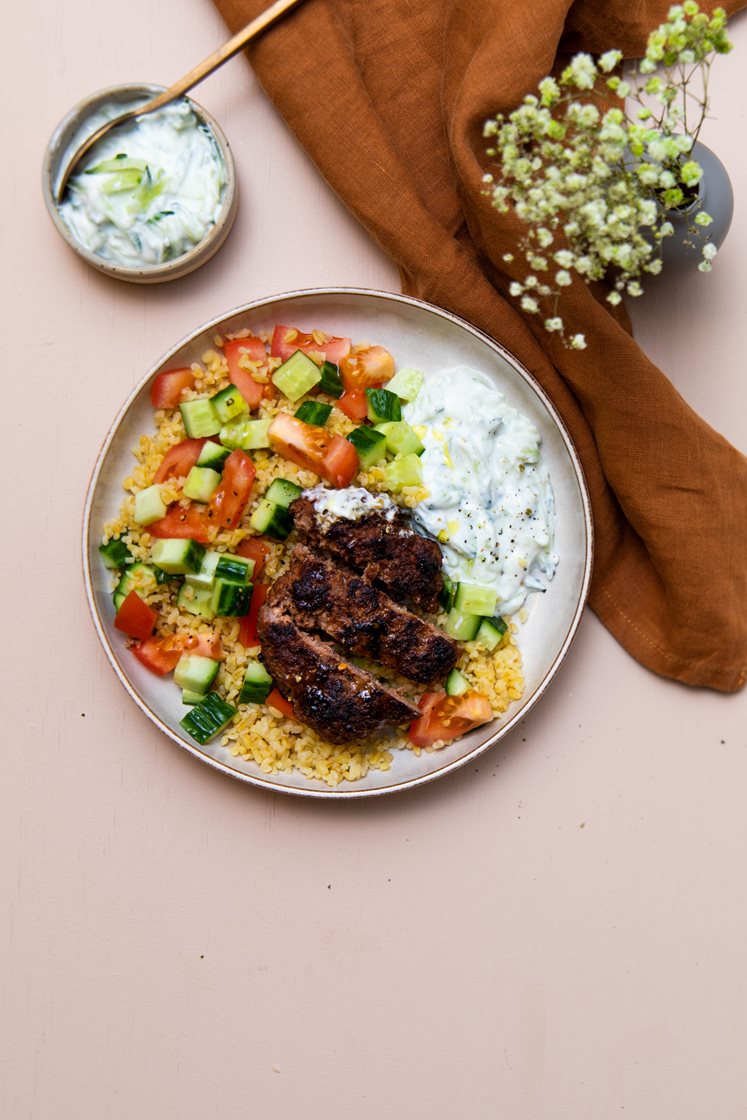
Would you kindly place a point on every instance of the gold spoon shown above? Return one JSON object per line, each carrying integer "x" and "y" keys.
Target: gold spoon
{"x": 180, "y": 87}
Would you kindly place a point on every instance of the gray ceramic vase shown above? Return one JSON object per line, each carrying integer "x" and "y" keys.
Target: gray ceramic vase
{"x": 683, "y": 250}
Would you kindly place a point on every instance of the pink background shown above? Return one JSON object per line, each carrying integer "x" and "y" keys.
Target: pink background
{"x": 557, "y": 933}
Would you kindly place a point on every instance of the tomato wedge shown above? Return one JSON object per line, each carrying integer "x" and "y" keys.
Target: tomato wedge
{"x": 166, "y": 390}
{"x": 248, "y": 635}
{"x": 447, "y": 717}
{"x": 183, "y": 522}
{"x": 277, "y": 701}
{"x": 354, "y": 404}
{"x": 253, "y": 349}
{"x": 286, "y": 340}
{"x": 330, "y": 456}
{"x": 366, "y": 368}
{"x": 254, "y": 548}
{"x": 161, "y": 655}
{"x": 179, "y": 460}
{"x": 230, "y": 496}
{"x": 135, "y": 618}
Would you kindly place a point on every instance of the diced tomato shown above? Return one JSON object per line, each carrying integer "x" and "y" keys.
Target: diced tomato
{"x": 248, "y": 624}
{"x": 286, "y": 340}
{"x": 330, "y": 456}
{"x": 204, "y": 645}
{"x": 179, "y": 460}
{"x": 227, "y": 501}
{"x": 367, "y": 368}
{"x": 161, "y": 655}
{"x": 277, "y": 701}
{"x": 254, "y": 349}
{"x": 182, "y": 522}
{"x": 254, "y": 548}
{"x": 354, "y": 404}
{"x": 447, "y": 717}
{"x": 166, "y": 390}
{"x": 135, "y": 618}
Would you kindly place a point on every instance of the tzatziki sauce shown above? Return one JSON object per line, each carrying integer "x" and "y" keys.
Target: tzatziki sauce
{"x": 490, "y": 502}
{"x": 150, "y": 190}
{"x": 349, "y": 504}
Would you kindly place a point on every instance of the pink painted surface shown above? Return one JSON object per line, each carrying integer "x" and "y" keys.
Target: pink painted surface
{"x": 556, "y": 934}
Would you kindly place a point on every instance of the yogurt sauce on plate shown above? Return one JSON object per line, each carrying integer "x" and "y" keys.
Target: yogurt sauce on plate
{"x": 490, "y": 502}
{"x": 150, "y": 190}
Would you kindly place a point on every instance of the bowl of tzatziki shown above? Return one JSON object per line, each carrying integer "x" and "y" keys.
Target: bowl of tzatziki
{"x": 155, "y": 198}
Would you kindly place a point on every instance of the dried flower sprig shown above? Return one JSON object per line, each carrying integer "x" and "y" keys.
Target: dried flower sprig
{"x": 592, "y": 184}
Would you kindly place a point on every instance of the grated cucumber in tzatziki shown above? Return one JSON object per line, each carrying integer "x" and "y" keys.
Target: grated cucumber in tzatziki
{"x": 150, "y": 190}
{"x": 490, "y": 502}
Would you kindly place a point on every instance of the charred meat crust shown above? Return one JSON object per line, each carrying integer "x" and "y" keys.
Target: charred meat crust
{"x": 363, "y": 619}
{"x": 386, "y": 551}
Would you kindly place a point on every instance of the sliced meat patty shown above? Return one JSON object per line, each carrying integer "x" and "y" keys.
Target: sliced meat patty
{"x": 339, "y": 701}
{"x": 322, "y": 596}
{"x": 385, "y": 550}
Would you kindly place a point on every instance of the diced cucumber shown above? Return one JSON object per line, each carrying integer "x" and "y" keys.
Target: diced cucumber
{"x": 491, "y": 632}
{"x": 406, "y": 383}
{"x": 149, "y": 505}
{"x": 200, "y": 418}
{"x": 212, "y": 455}
{"x": 370, "y": 445}
{"x": 282, "y": 492}
{"x": 234, "y": 569}
{"x": 230, "y": 599}
{"x": 314, "y": 412}
{"x": 208, "y": 718}
{"x": 383, "y": 405}
{"x": 462, "y": 626}
{"x": 195, "y": 672}
{"x": 125, "y": 180}
{"x": 456, "y": 684}
{"x": 137, "y": 577}
{"x": 161, "y": 575}
{"x": 257, "y": 684}
{"x": 405, "y": 470}
{"x": 115, "y": 554}
{"x": 229, "y": 403}
{"x": 200, "y": 483}
{"x": 120, "y": 162}
{"x": 446, "y": 598}
{"x": 297, "y": 376}
{"x": 192, "y": 697}
{"x": 271, "y": 520}
{"x": 401, "y": 439}
{"x": 206, "y": 574}
{"x": 178, "y": 557}
{"x": 195, "y": 600}
{"x": 473, "y": 599}
{"x": 331, "y": 382}
{"x": 249, "y": 435}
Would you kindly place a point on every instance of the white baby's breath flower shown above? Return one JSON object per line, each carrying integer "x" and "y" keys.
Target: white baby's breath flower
{"x": 578, "y": 342}
{"x": 515, "y": 288}
{"x": 529, "y": 304}
{"x": 702, "y": 218}
{"x": 609, "y": 60}
{"x": 704, "y": 266}
{"x": 614, "y": 298}
{"x": 563, "y": 278}
{"x": 553, "y": 324}
{"x": 709, "y": 251}
{"x": 563, "y": 257}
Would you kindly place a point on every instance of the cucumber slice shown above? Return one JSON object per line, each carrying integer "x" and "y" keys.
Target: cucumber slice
{"x": 208, "y": 718}
{"x": 405, "y": 470}
{"x": 200, "y": 418}
{"x": 126, "y": 180}
{"x": 234, "y": 569}
{"x": 473, "y": 599}
{"x": 383, "y": 405}
{"x": 137, "y": 577}
{"x": 297, "y": 376}
{"x": 115, "y": 554}
{"x": 200, "y": 483}
{"x": 249, "y": 435}
{"x": 212, "y": 455}
{"x": 257, "y": 684}
{"x": 462, "y": 626}
{"x": 271, "y": 520}
{"x": 229, "y": 403}
{"x": 456, "y": 684}
{"x": 195, "y": 673}
{"x": 178, "y": 557}
{"x": 120, "y": 162}
{"x": 313, "y": 412}
{"x": 370, "y": 445}
{"x": 149, "y": 505}
{"x": 401, "y": 439}
{"x": 491, "y": 632}
{"x": 446, "y": 598}
{"x": 206, "y": 574}
{"x": 192, "y": 697}
{"x": 331, "y": 382}
{"x": 282, "y": 492}
{"x": 406, "y": 383}
{"x": 195, "y": 600}
{"x": 230, "y": 599}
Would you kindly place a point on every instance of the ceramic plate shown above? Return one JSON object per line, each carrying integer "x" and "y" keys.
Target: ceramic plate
{"x": 419, "y": 335}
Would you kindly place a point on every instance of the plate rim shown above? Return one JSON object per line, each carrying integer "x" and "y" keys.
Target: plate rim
{"x": 266, "y": 782}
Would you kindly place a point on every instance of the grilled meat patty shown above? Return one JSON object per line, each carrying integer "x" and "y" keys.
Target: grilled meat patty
{"x": 339, "y": 701}
{"x": 364, "y": 620}
{"x": 386, "y": 551}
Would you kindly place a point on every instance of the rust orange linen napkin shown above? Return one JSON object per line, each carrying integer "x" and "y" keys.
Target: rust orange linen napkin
{"x": 388, "y": 97}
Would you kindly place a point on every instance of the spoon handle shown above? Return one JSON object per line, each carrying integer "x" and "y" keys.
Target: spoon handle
{"x": 182, "y": 85}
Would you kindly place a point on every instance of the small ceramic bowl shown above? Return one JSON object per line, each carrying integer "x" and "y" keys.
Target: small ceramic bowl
{"x": 72, "y": 127}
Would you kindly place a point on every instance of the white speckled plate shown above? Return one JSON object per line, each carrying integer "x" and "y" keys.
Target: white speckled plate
{"x": 417, "y": 334}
